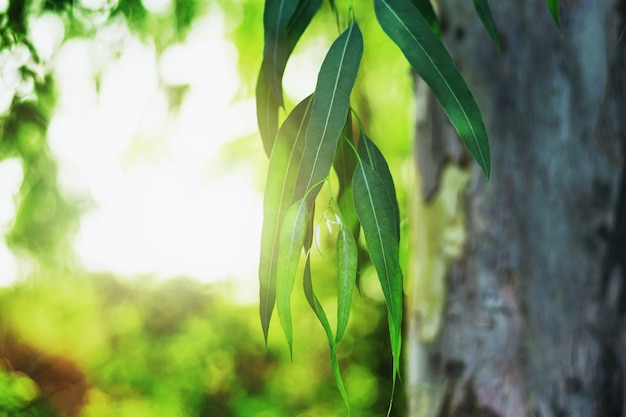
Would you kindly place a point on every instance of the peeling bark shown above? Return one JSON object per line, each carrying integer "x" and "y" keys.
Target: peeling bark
{"x": 527, "y": 328}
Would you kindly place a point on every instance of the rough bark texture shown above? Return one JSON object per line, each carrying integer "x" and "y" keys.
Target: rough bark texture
{"x": 527, "y": 328}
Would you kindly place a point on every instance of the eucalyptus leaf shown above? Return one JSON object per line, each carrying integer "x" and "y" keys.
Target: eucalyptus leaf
{"x": 347, "y": 260}
{"x": 484, "y": 13}
{"x": 300, "y": 20}
{"x": 428, "y": 13}
{"x": 430, "y": 58}
{"x": 290, "y": 247}
{"x": 373, "y": 157}
{"x": 283, "y": 167}
{"x": 276, "y": 17}
{"x": 375, "y": 211}
{"x": 266, "y": 112}
{"x": 553, "y": 6}
{"x": 329, "y": 111}
{"x": 323, "y": 319}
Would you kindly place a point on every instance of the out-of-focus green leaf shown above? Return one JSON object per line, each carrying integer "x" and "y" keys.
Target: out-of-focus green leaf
{"x": 347, "y": 260}
{"x": 275, "y": 20}
{"x": 430, "y": 58}
{"x": 428, "y": 13}
{"x": 321, "y": 315}
{"x": 372, "y": 156}
{"x": 484, "y": 12}
{"x": 553, "y": 5}
{"x": 281, "y": 176}
{"x": 290, "y": 246}
{"x": 375, "y": 210}
{"x": 329, "y": 110}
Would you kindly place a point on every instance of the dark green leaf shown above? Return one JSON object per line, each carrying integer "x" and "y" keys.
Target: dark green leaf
{"x": 281, "y": 175}
{"x": 329, "y": 110}
{"x": 275, "y": 53}
{"x": 484, "y": 12}
{"x": 289, "y": 249}
{"x": 375, "y": 210}
{"x": 427, "y": 54}
{"x": 372, "y": 156}
{"x": 266, "y": 112}
{"x": 347, "y": 260}
{"x": 321, "y": 315}
{"x": 344, "y": 165}
{"x": 300, "y": 21}
{"x": 428, "y": 13}
{"x": 553, "y": 5}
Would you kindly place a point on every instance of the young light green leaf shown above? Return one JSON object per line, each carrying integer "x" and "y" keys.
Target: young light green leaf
{"x": 373, "y": 157}
{"x": 276, "y": 17}
{"x": 375, "y": 210}
{"x": 553, "y": 5}
{"x": 321, "y": 315}
{"x": 484, "y": 13}
{"x": 429, "y": 57}
{"x": 281, "y": 175}
{"x": 329, "y": 111}
{"x": 289, "y": 249}
{"x": 347, "y": 260}
{"x": 428, "y": 13}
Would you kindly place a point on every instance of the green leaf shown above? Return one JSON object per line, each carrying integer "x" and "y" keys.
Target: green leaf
{"x": 427, "y": 54}
{"x": 375, "y": 210}
{"x": 484, "y": 12}
{"x": 321, "y": 315}
{"x": 266, "y": 104}
{"x": 329, "y": 111}
{"x": 283, "y": 167}
{"x": 276, "y": 17}
{"x": 553, "y": 5}
{"x": 428, "y": 13}
{"x": 289, "y": 249}
{"x": 266, "y": 112}
{"x": 344, "y": 165}
{"x": 373, "y": 157}
{"x": 347, "y": 260}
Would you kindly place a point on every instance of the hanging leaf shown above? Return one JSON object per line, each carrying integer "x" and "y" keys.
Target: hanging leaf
{"x": 428, "y": 13}
{"x": 347, "y": 259}
{"x": 484, "y": 12}
{"x": 276, "y": 17}
{"x": 372, "y": 156}
{"x": 553, "y": 5}
{"x": 281, "y": 175}
{"x": 375, "y": 210}
{"x": 329, "y": 111}
{"x": 266, "y": 104}
{"x": 344, "y": 165}
{"x": 323, "y": 319}
{"x": 429, "y": 57}
{"x": 289, "y": 248}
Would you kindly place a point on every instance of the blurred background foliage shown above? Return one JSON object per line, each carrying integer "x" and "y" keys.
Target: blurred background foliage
{"x": 79, "y": 342}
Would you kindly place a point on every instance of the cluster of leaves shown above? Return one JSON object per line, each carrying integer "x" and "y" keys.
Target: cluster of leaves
{"x": 317, "y": 136}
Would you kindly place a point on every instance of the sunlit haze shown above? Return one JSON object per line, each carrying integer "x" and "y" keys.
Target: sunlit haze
{"x": 157, "y": 205}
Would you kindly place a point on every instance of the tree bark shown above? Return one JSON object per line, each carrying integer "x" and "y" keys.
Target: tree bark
{"x": 523, "y": 326}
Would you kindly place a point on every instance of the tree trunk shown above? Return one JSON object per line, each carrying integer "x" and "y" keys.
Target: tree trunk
{"x": 510, "y": 317}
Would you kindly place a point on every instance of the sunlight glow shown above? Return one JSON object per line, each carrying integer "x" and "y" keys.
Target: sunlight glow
{"x": 159, "y": 206}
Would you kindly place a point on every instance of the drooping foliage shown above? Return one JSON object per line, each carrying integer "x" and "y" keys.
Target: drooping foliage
{"x": 366, "y": 197}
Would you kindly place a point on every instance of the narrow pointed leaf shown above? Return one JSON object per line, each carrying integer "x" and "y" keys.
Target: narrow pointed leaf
{"x": 329, "y": 110}
{"x": 553, "y": 5}
{"x": 429, "y": 57}
{"x": 344, "y": 165}
{"x": 321, "y": 315}
{"x": 428, "y": 13}
{"x": 375, "y": 211}
{"x": 266, "y": 112}
{"x": 282, "y": 171}
{"x": 290, "y": 247}
{"x": 484, "y": 13}
{"x": 372, "y": 156}
{"x": 300, "y": 20}
{"x": 276, "y": 17}
{"x": 347, "y": 260}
